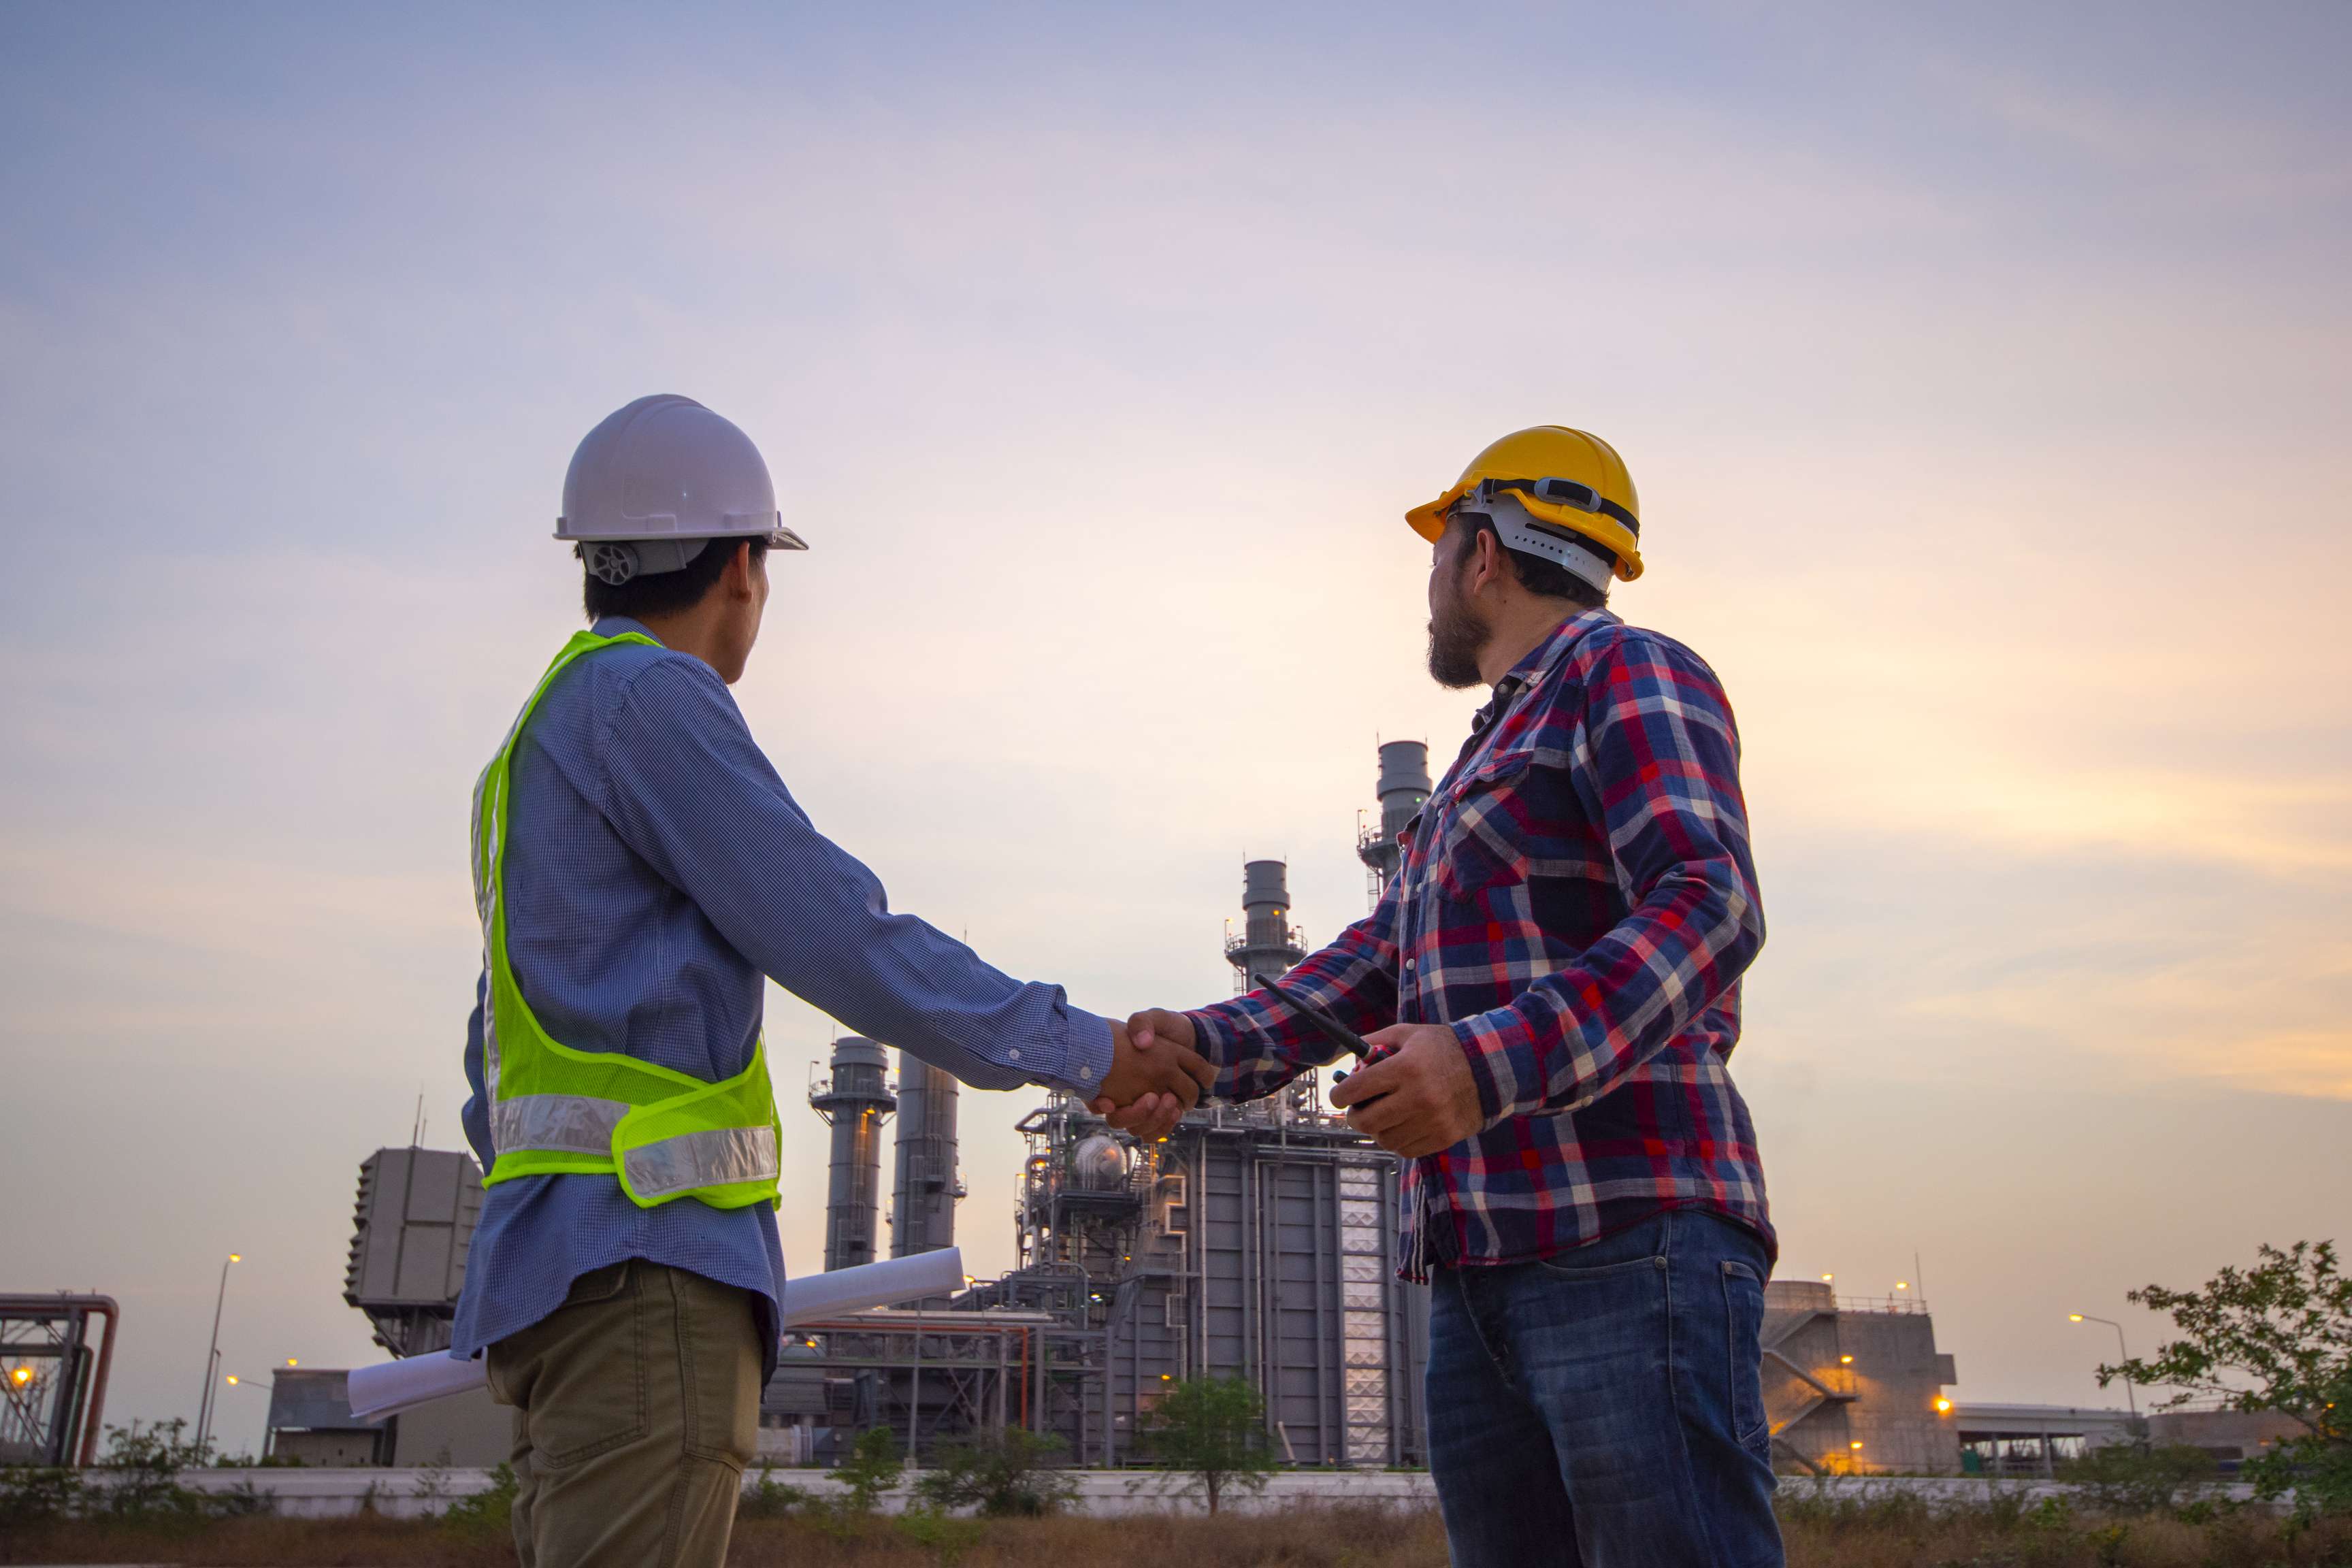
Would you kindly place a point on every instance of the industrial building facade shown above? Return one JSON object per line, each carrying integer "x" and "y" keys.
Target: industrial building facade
{"x": 1855, "y": 1388}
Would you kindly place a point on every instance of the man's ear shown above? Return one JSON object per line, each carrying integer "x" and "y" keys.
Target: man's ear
{"x": 738, "y": 576}
{"x": 1485, "y": 561}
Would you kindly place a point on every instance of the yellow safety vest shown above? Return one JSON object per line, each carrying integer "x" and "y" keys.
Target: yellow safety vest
{"x": 557, "y": 1110}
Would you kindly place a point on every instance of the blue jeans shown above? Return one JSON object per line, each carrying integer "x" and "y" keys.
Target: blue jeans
{"x": 1602, "y": 1408}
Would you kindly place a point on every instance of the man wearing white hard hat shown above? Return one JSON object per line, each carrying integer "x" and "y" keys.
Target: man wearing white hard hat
{"x": 640, "y": 871}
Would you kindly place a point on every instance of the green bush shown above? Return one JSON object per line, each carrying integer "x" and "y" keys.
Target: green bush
{"x": 772, "y": 1499}
{"x": 31, "y": 1497}
{"x": 1007, "y": 1474}
{"x": 873, "y": 1468}
{"x": 943, "y": 1535}
{"x": 142, "y": 1482}
{"x": 487, "y": 1513}
{"x": 2126, "y": 1478}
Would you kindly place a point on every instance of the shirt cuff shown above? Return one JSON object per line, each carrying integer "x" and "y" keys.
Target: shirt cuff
{"x": 1213, "y": 1036}
{"x": 1085, "y": 1056}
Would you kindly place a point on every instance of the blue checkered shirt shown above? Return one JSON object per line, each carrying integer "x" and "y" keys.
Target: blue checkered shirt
{"x": 655, "y": 869}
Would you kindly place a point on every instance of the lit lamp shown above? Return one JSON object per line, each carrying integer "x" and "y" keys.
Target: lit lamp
{"x": 1943, "y": 1406}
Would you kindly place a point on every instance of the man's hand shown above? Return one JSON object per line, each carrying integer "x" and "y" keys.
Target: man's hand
{"x": 1154, "y": 1024}
{"x": 1417, "y": 1096}
{"x": 1152, "y": 1081}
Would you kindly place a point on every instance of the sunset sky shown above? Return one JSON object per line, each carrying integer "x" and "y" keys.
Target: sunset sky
{"x": 1984, "y": 374}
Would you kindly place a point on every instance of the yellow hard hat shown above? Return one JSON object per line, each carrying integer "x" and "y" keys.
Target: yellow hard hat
{"x": 1564, "y": 478}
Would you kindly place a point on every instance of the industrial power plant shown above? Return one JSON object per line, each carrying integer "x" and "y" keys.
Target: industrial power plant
{"x": 1257, "y": 1241}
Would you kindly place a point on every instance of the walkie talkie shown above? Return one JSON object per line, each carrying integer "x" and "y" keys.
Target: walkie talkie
{"x": 1331, "y": 1029}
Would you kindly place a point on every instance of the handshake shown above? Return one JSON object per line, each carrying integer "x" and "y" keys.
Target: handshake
{"x": 1415, "y": 1096}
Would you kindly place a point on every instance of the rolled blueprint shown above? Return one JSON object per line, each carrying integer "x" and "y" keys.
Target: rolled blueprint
{"x": 390, "y": 1387}
{"x": 815, "y": 1296}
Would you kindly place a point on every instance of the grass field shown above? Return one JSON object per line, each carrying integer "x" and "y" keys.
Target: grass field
{"x": 1877, "y": 1534}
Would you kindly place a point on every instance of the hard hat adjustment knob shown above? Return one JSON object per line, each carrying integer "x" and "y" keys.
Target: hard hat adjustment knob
{"x": 610, "y": 562}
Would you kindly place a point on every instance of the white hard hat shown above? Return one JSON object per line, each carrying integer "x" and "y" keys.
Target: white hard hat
{"x": 656, "y": 481}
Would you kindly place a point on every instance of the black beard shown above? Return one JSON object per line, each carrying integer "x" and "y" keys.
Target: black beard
{"x": 1458, "y": 634}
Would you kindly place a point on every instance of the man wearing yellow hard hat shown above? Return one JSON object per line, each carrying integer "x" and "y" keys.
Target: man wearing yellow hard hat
{"x": 1551, "y": 987}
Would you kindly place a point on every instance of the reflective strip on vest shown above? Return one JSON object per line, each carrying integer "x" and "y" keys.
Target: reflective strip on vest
{"x": 715, "y": 1157}
{"x": 561, "y": 1123}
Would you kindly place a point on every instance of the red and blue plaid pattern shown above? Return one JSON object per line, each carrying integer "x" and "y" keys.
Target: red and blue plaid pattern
{"x": 1577, "y": 900}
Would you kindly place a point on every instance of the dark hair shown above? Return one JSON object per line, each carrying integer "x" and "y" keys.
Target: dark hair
{"x": 1548, "y": 579}
{"x": 666, "y": 593}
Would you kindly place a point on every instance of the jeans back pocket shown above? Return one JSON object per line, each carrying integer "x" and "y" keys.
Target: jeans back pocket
{"x": 1743, "y": 1314}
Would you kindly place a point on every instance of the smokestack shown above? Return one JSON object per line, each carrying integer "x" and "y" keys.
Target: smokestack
{"x": 854, "y": 1104}
{"x": 1403, "y": 789}
{"x": 1269, "y": 944}
{"x": 922, "y": 1207}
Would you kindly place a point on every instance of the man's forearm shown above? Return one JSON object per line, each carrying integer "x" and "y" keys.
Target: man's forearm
{"x": 1258, "y": 1047}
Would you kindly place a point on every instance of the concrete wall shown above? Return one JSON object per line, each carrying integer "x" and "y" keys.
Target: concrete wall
{"x": 462, "y": 1431}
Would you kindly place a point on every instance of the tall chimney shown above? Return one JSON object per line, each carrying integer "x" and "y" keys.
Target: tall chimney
{"x": 854, "y": 1104}
{"x": 1404, "y": 787}
{"x": 922, "y": 1207}
{"x": 1269, "y": 944}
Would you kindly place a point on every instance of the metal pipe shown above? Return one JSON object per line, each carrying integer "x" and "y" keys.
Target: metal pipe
{"x": 104, "y": 1306}
{"x": 915, "y": 1396}
{"x": 67, "y": 1410}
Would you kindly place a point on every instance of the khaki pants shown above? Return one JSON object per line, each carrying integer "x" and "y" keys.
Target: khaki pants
{"x": 636, "y": 1406}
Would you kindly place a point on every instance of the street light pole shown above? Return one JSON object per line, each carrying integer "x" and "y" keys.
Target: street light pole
{"x": 211, "y": 1356}
{"x": 2129, "y": 1399}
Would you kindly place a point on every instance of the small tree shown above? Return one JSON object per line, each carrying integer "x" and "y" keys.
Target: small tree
{"x": 1213, "y": 1429}
{"x": 872, "y": 1468}
{"x": 143, "y": 1469}
{"x": 1003, "y": 1474}
{"x": 2277, "y": 1336}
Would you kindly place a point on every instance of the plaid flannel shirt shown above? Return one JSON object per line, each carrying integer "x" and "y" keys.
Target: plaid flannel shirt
{"x": 1577, "y": 900}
